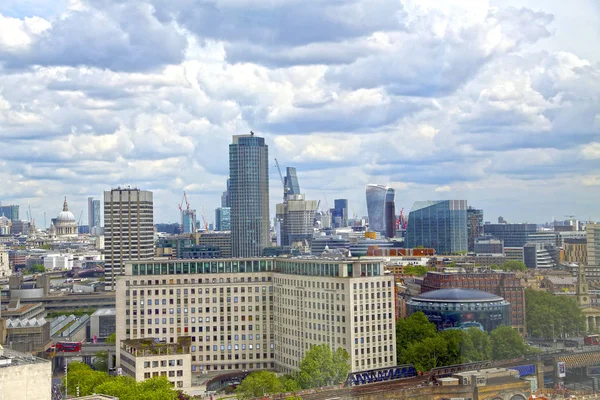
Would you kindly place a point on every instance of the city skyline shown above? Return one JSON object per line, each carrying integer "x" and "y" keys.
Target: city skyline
{"x": 484, "y": 102}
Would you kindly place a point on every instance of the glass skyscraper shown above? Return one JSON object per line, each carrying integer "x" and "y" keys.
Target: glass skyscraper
{"x": 441, "y": 225}
{"x": 223, "y": 219}
{"x": 291, "y": 182}
{"x": 249, "y": 195}
{"x": 377, "y": 197}
{"x": 514, "y": 235}
{"x": 188, "y": 219}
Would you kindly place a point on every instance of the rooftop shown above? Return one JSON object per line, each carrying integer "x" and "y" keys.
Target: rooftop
{"x": 11, "y": 358}
{"x": 457, "y": 295}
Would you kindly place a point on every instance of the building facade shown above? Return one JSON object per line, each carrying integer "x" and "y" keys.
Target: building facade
{"x": 221, "y": 240}
{"x": 249, "y": 195}
{"x": 575, "y": 251}
{"x": 225, "y": 197}
{"x": 93, "y": 213}
{"x": 223, "y": 219}
{"x": 339, "y": 214}
{"x": 441, "y": 225}
{"x": 261, "y": 313}
{"x": 488, "y": 246}
{"x": 513, "y": 235}
{"x": 290, "y": 182}
{"x": 504, "y": 284}
{"x": 188, "y": 221}
{"x": 390, "y": 213}
{"x": 11, "y": 212}
{"x": 592, "y": 232}
{"x": 296, "y": 216}
{"x": 377, "y": 198}
{"x": 474, "y": 226}
{"x": 24, "y": 377}
{"x": 129, "y": 230}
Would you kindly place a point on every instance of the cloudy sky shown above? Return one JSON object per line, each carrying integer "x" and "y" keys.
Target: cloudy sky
{"x": 496, "y": 102}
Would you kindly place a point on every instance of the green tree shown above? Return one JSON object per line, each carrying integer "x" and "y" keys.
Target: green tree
{"x": 548, "y": 315}
{"x": 415, "y": 328}
{"x": 111, "y": 339}
{"x": 101, "y": 361}
{"x": 453, "y": 339}
{"x": 290, "y": 384}
{"x": 514, "y": 266}
{"x": 417, "y": 270}
{"x": 476, "y": 345}
{"x": 258, "y": 384}
{"x": 507, "y": 343}
{"x": 426, "y": 354}
{"x": 37, "y": 268}
{"x": 322, "y": 367}
{"x": 82, "y": 375}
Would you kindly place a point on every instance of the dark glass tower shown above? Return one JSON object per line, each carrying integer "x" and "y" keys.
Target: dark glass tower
{"x": 249, "y": 195}
{"x": 291, "y": 185}
{"x": 475, "y": 226}
{"x": 390, "y": 213}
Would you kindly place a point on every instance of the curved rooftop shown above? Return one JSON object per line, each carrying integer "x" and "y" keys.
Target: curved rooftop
{"x": 457, "y": 295}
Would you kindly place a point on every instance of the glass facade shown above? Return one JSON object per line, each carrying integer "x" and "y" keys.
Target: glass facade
{"x": 377, "y": 197}
{"x": 441, "y": 225}
{"x": 223, "y": 219}
{"x": 291, "y": 182}
{"x": 513, "y": 235}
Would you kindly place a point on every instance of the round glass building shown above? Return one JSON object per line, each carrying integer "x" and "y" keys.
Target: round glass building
{"x": 462, "y": 308}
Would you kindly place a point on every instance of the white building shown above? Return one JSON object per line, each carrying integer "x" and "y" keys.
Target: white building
{"x": 5, "y": 269}
{"x": 24, "y": 377}
{"x": 58, "y": 261}
{"x": 260, "y": 313}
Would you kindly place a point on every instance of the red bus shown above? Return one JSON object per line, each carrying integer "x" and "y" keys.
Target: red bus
{"x": 591, "y": 340}
{"x": 68, "y": 347}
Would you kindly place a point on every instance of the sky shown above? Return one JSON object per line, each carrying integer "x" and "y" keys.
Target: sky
{"x": 496, "y": 102}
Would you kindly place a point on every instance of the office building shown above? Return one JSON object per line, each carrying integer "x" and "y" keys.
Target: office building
{"x": 390, "y": 213}
{"x": 575, "y": 251}
{"x": 249, "y": 195}
{"x": 488, "y": 246}
{"x": 290, "y": 183}
{"x": 513, "y": 235}
{"x": 93, "y": 213}
{"x": 10, "y": 212}
{"x": 260, "y": 313}
{"x": 296, "y": 216}
{"x": 19, "y": 227}
{"x": 223, "y": 219}
{"x": 592, "y": 232}
{"x": 128, "y": 230}
{"x": 5, "y": 269}
{"x": 220, "y": 240}
{"x": 440, "y": 224}
{"x": 339, "y": 214}
{"x": 377, "y": 198}
{"x": 474, "y": 226}
{"x": 24, "y": 377}
{"x": 504, "y": 284}
{"x": 188, "y": 219}
{"x": 225, "y": 202}
{"x": 540, "y": 255}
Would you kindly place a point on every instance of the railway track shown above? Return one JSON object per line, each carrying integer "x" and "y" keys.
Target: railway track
{"x": 374, "y": 388}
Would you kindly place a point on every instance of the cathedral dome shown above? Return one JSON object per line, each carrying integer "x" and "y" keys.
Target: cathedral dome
{"x": 65, "y": 215}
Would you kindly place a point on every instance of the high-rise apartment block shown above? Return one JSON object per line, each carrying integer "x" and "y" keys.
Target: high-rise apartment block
{"x": 10, "y": 212}
{"x": 377, "y": 198}
{"x": 440, "y": 224}
{"x": 223, "y": 219}
{"x": 93, "y": 213}
{"x": 513, "y": 235}
{"x": 129, "y": 230}
{"x": 474, "y": 226}
{"x": 261, "y": 313}
{"x": 249, "y": 195}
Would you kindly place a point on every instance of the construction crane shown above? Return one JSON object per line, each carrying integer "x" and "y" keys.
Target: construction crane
{"x": 204, "y": 220}
{"x": 80, "y": 216}
{"x": 286, "y": 189}
{"x": 401, "y": 222}
{"x": 180, "y": 207}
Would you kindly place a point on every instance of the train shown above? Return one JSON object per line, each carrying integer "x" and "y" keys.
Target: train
{"x": 408, "y": 371}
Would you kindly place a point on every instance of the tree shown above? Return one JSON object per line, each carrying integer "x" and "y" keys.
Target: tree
{"x": 415, "y": 328}
{"x": 476, "y": 345}
{"x": 507, "y": 343}
{"x": 426, "y": 354}
{"x": 290, "y": 384}
{"x": 111, "y": 339}
{"x": 101, "y": 362}
{"x": 513, "y": 266}
{"x": 258, "y": 384}
{"x": 417, "y": 270}
{"x": 453, "y": 339}
{"x": 37, "y": 268}
{"x": 548, "y": 315}
{"x": 322, "y": 367}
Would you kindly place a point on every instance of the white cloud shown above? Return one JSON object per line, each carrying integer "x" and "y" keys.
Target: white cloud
{"x": 442, "y": 189}
{"x": 591, "y": 151}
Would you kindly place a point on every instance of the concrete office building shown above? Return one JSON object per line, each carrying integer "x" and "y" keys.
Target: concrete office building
{"x": 296, "y": 216}
{"x": 440, "y": 224}
{"x": 513, "y": 235}
{"x": 93, "y": 213}
{"x": 488, "y": 246}
{"x": 24, "y": 377}
{"x": 474, "y": 227}
{"x": 378, "y": 196}
{"x": 223, "y": 219}
{"x": 129, "y": 230}
{"x": 249, "y": 195}
{"x": 220, "y": 240}
{"x": 592, "y": 232}
{"x": 261, "y": 313}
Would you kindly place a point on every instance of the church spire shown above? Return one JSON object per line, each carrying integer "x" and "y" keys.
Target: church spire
{"x": 582, "y": 288}
{"x": 65, "y": 205}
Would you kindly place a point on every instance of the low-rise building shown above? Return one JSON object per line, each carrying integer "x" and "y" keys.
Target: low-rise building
{"x": 24, "y": 377}
{"x": 27, "y": 335}
{"x": 148, "y": 358}
{"x": 103, "y": 323}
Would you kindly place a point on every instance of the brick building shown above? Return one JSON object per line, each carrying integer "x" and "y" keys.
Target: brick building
{"x": 504, "y": 284}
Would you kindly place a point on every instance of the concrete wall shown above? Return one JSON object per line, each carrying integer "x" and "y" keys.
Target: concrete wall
{"x": 26, "y": 382}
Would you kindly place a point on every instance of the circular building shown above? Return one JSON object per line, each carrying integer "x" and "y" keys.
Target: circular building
{"x": 462, "y": 309}
{"x": 66, "y": 224}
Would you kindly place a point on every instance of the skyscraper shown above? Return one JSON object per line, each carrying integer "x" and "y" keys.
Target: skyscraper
{"x": 474, "y": 226}
{"x": 390, "y": 213}
{"x": 223, "y": 219}
{"x": 377, "y": 196}
{"x": 10, "y": 212}
{"x": 93, "y": 212}
{"x": 129, "y": 230}
{"x": 225, "y": 202}
{"x": 249, "y": 195}
{"x": 339, "y": 214}
{"x": 290, "y": 182}
{"x": 297, "y": 217}
{"x": 188, "y": 219}
{"x": 440, "y": 224}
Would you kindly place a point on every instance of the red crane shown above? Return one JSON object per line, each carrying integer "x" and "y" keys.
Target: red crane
{"x": 401, "y": 222}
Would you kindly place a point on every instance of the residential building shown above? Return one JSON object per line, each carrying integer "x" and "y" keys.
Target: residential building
{"x": 260, "y": 313}
{"x": 440, "y": 224}
{"x": 296, "y": 216}
{"x": 93, "y": 213}
{"x": 24, "y": 377}
{"x": 223, "y": 219}
{"x": 339, "y": 214}
{"x": 474, "y": 227}
{"x": 11, "y": 212}
{"x": 129, "y": 229}
{"x": 290, "y": 183}
{"x": 504, "y": 284}
{"x": 575, "y": 251}
{"x": 377, "y": 198}
{"x": 249, "y": 195}
{"x": 513, "y": 235}
{"x": 488, "y": 246}
{"x": 149, "y": 358}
